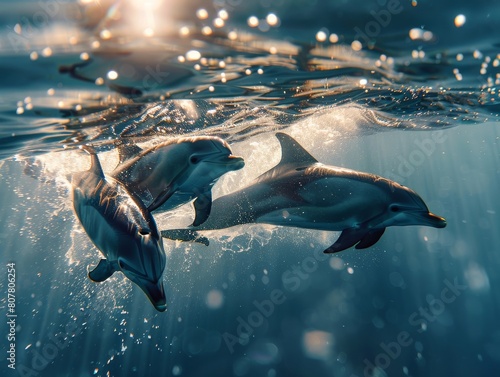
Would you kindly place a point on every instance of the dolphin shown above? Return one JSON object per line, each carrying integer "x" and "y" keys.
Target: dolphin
{"x": 173, "y": 173}
{"x": 301, "y": 192}
{"x": 123, "y": 230}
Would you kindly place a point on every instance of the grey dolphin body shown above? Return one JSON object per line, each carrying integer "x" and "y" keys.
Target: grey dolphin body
{"x": 176, "y": 172}
{"x": 122, "y": 229}
{"x": 301, "y": 192}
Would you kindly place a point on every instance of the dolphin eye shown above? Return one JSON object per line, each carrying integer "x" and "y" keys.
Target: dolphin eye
{"x": 394, "y": 208}
{"x": 194, "y": 160}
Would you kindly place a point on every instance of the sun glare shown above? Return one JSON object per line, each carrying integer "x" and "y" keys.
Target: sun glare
{"x": 141, "y": 17}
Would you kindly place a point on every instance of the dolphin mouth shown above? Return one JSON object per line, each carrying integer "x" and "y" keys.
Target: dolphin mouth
{"x": 234, "y": 162}
{"x": 430, "y": 219}
{"x": 156, "y": 294}
{"x": 161, "y": 307}
{"x": 440, "y": 222}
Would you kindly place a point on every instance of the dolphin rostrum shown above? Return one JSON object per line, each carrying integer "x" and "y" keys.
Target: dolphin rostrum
{"x": 123, "y": 230}
{"x": 301, "y": 192}
{"x": 175, "y": 172}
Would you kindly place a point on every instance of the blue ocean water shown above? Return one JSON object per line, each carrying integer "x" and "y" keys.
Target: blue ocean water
{"x": 403, "y": 89}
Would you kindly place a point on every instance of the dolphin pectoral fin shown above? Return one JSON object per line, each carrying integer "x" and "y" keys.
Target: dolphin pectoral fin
{"x": 348, "y": 238}
{"x": 185, "y": 235}
{"x": 128, "y": 151}
{"x": 362, "y": 238}
{"x": 202, "y": 207}
{"x": 102, "y": 271}
{"x": 370, "y": 239}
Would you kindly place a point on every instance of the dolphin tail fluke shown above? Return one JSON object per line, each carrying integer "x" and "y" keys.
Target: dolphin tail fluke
{"x": 185, "y": 235}
{"x": 102, "y": 271}
{"x": 202, "y": 206}
{"x": 362, "y": 238}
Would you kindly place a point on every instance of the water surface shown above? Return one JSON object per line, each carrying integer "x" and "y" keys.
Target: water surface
{"x": 414, "y": 100}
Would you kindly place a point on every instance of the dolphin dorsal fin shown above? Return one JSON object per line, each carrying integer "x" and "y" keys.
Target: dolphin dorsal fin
{"x": 292, "y": 152}
{"x": 95, "y": 166}
{"x": 128, "y": 151}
